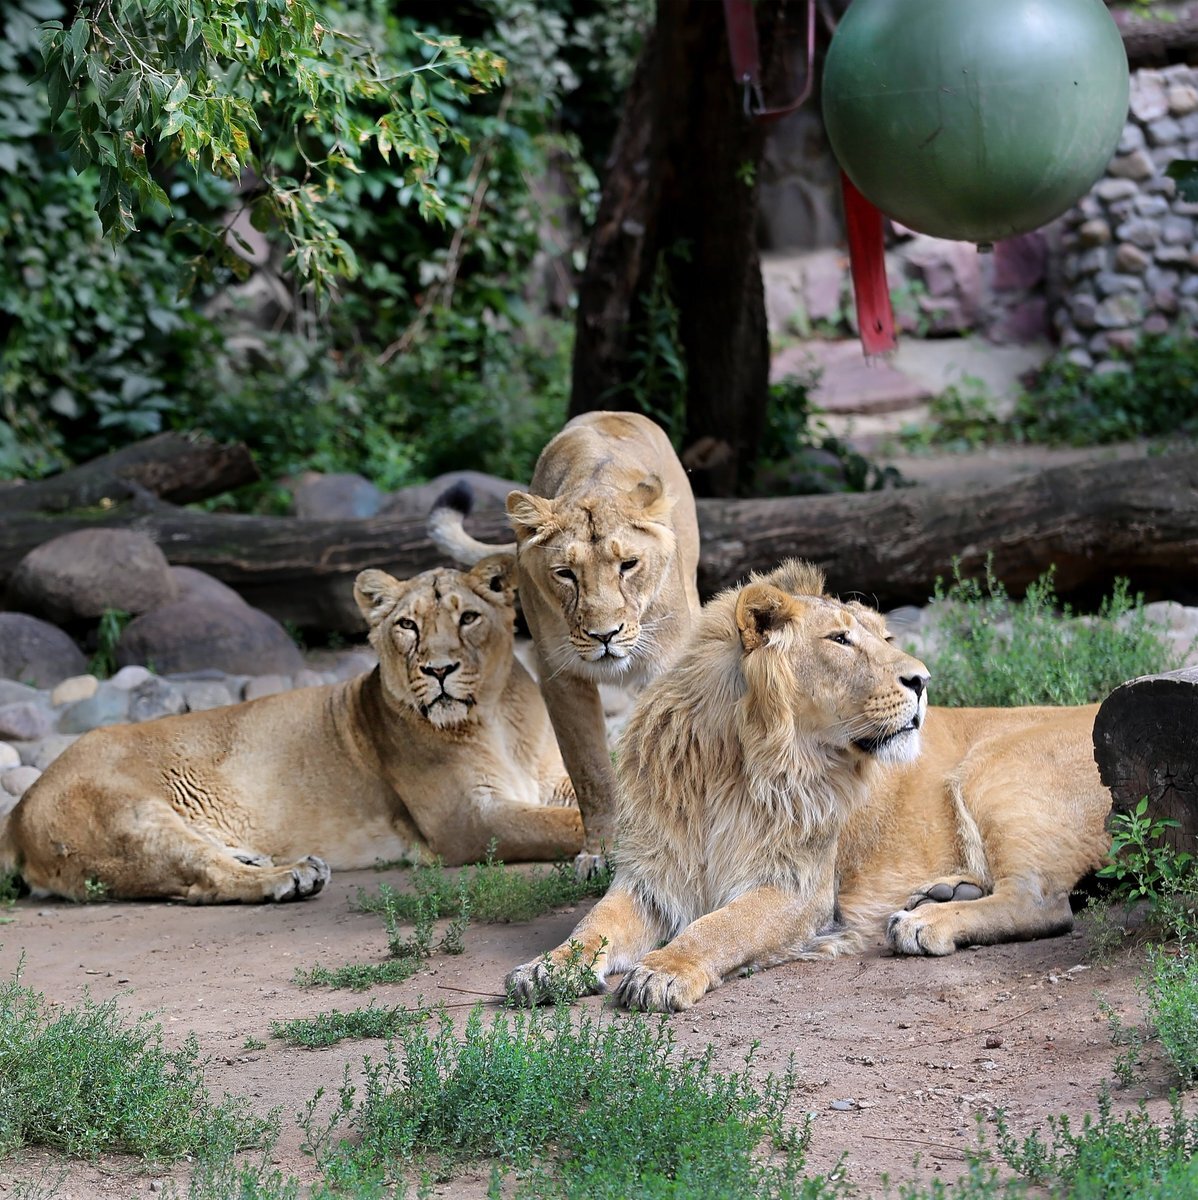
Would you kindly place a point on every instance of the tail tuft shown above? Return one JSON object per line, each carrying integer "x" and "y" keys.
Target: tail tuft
{"x": 446, "y": 527}
{"x": 459, "y": 496}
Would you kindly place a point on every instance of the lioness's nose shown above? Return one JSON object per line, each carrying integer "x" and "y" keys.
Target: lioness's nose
{"x": 916, "y": 683}
{"x": 604, "y": 637}
{"x": 440, "y": 672}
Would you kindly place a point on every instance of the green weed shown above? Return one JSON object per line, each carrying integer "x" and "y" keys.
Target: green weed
{"x": 1171, "y": 990}
{"x": 108, "y": 632}
{"x": 83, "y": 1080}
{"x": 327, "y": 1029}
{"x": 990, "y": 650}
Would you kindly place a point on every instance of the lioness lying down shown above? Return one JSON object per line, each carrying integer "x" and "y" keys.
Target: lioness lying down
{"x": 443, "y": 747}
{"x": 780, "y": 798}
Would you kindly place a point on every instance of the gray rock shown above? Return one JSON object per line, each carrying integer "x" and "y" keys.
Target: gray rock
{"x": 1164, "y": 132}
{"x": 203, "y": 694}
{"x": 1175, "y": 230}
{"x": 199, "y": 585}
{"x": 42, "y": 754}
{"x": 127, "y": 678}
{"x": 155, "y": 698}
{"x": 25, "y": 721}
{"x": 78, "y": 575}
{"x": 1109, "y": 283}
{"x": 1084, "y": 310}
{"x": 1115, "y": 189}
{"x": 490, "y": 494}
{"x": 1151, "y": 205}
{"x": 12, "y": 692}
{"x": 1148, "y": 101}
{"x": 307, "y": 678}
{"x": 1140, "y": 231}
{"x": 109, "y": 706}
{"x": 1156, "y": 324}
{"x": 1118, "y": 312}
{"x": 1171, "y": 254}
{"x": 9, "y": 756}
{"x": 16, "y": 781}
{"x": 334, "y": 496}
{"x": 1182, "y": 98}
{"x": 1080, "y": 358}
{"x": 1128, "y": 258}
{"x": 191, "y": 635}
{"x": 36, "y": 652}
{"x": 1136, "y": 165}
{"x": 266, "y": 685}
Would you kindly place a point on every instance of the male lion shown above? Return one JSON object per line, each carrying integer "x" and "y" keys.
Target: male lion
{"x": 443, "y": 747}
{"x": 774, "y": 805}
{"x": 607, "y": 545}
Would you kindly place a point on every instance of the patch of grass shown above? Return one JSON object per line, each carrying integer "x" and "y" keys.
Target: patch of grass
{"x": 591, "y": 1107}
{"x": 990, "y": 650}
{"x": 83, "y": 1080}
{"x": 11, "y": 887}
{"x": 108, "y": 632}
{"x": 1109, "y": 1159}
{"x": 962, "y": 417}
{"x": 253, "y": 1043}
{"x": 490, "y": 891}
{"x": 1171, "y": 990}
{"x": 329, "y": 1028}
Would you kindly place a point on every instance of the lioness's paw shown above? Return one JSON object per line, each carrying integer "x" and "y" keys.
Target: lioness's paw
{"x": 527, "y": 984}
{"x": 587, "y": 864}
{"x": 647, "y": 990}
{"x": 910, "y": 932}
{"x": 942, "y": 891}
{"x": 306, "y": 878}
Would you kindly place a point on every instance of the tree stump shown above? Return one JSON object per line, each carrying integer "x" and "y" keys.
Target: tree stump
{"x": 1146, "y": 744}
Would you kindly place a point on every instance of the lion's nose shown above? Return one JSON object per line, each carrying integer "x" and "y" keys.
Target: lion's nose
{"x": 604, "y": 637}
{"x": 916, "y": 683}
{"x": 441, "y": 671}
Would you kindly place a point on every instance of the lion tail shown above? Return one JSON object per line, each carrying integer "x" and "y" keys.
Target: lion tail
{"x": 446, "y": 528}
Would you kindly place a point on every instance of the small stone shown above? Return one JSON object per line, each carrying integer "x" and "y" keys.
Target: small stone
{"x": 1092, "y": 261}
{"x": 128, "y": 678}
{"x": 1095, "y": 232}
{"x": 1156, "y": 325}
{"x": 1132, "y": 138}
{"x": 1115, "y": 189}
{"x": 1164, "y": 132}
{"x": 1182, "y": 99}
{"x": 154, "y": 698}
{"x": 1147, "y": 101}
{"x": 1079, "y": 358}
{"x": 1151, "y": 205}
{"x": 109, "y": 706}
{"x": 25, "y": 722}
{"x": 1136, "y": 165}
{"x": 308, "y": 678}
{"x": 265, "y": 685}
{"x": 1109, "y": 283}
{"x": 843, "y": 1105}
{"x": 43, "y": 753}
{"x": 1176, "y": 230}
{"x": 203, "y": 694}
{"x": 1084, "y": 310}
{"x": 1165, "y": 300}
{"x": 9, "y": 757}
{"x": 1129, "y": 258}
{"x": 1140, "y": 231}
{"x": 17, "y": 780}
{"x": 1171, "y": 254}
{"x": 78, "y": 687}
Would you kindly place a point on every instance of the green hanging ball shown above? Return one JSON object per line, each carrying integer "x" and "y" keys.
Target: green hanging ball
{"x": 975, "y": 119}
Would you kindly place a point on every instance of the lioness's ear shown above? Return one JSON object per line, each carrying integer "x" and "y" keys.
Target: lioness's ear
{"x": 376, "y": 593}
{"x": 797, "y": 577}
{"x": 530, "y": 515}
{"x": 655, "y": 502}
{"x": 495, "y": 577}
{"x": 762, "y": 608}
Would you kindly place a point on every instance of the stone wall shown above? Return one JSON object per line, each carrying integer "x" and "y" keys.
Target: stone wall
{"x": 1129, "y": 256}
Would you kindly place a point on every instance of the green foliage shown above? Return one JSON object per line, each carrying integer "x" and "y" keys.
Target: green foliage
{"x": 601, "y": 1108}
{"x": 1142, "y": 866}
{"x": 488, "y": 891}
{"x": 1171, "y": 990}
{"x": 329, "y": 1028}
{"x": 83, "y": 1080}
{"x": 108, "y": 633}
{"x": 574, "y": 977}
{"x": 992, "y": 651}
{"x": 962, "y": 417}
{"x": 1109, "y": 1159}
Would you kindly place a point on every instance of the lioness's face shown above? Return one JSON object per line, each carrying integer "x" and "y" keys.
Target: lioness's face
{"x": 444, "y": 638}
{"x": 853, "y": 688}
{"x": 601, "y": 564}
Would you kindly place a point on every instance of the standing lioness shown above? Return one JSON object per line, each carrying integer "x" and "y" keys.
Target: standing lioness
{"x": 780, "y": 797}
{"x": 442, "y": 748}
{"x": 607, "y": 546}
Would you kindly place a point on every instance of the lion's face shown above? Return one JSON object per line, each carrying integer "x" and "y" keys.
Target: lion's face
{"x": 444, "y": 638}
{"x": 601, "y": 563}
{"x": 846, "y": 683}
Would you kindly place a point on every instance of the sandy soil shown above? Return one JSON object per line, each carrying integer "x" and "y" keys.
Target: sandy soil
{"x": 918, "y": 1046}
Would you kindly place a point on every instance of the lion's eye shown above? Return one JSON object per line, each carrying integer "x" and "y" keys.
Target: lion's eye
{"x": 405, "y": 623}
{"x": 566, "y": 574}
{"x": 468, "y": 618}
{"x": 840, "y": 638}
{"x": 628, "y": 564}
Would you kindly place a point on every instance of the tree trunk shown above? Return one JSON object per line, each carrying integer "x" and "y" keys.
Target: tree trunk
{"x": 1145, "y": 746}
{"x": 1136, "y": 518}
{"x": 674, "y": 255}
{"x": 171, "y": 466}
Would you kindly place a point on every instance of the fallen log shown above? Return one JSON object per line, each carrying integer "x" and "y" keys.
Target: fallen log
{"x": 1145, "y": 746}
{"x": 1137, "y": 518}
{"x": 179, "y": 468}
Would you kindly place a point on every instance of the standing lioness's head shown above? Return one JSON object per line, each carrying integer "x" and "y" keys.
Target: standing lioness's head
{"x": 601, "y": 561}
{"x": 444, "y": 638}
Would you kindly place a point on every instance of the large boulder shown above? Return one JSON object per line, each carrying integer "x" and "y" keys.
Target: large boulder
{"x": 194, "y": 634}
{"x": 194, "y": 584}
{"x": 334, "y": 496}
{"x": 78, "y": 575}
{"x": 490, "y": 494}
{"x": 36, "y": 652}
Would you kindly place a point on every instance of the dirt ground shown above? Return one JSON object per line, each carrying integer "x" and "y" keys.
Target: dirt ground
{"x": 918, "y": 1047}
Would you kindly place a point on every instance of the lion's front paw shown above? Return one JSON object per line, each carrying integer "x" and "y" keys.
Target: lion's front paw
{"x": 647, "y": 990}
{"x": 913, "y": 932}
{"x": 306, "y": 878}
{"x": 544, "y": 982}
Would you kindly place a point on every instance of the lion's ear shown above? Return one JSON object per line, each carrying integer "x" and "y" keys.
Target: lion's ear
{"x": 377, "y": 594}
{"x": 797, "y": 577}
{"x": 761, "y": 609}
{"x": 652, "y": 498}
{"x": 495, "y": 577}
{"x": 530, "y": 515}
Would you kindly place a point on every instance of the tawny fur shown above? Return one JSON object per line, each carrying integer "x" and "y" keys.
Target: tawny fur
{"x": 781, "y": 799}
{"x": 607, "y": 543}
{"x": 256, "y": 801}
